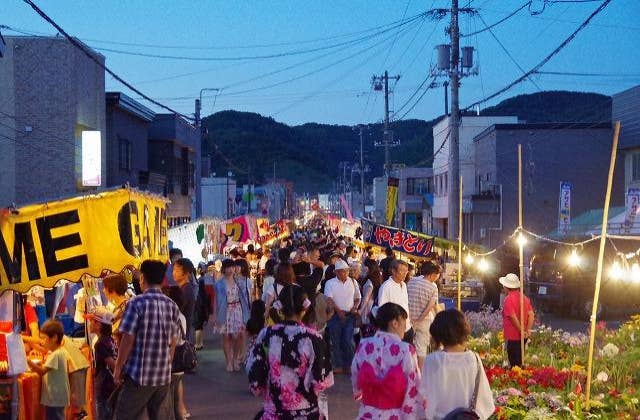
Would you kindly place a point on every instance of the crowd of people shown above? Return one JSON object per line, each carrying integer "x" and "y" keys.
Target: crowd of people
{"x": 292, "y": 316}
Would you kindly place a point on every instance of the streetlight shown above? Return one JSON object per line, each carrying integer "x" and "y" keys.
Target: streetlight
{"x": 469, "y": 259}
{"x": 574, "y": 259}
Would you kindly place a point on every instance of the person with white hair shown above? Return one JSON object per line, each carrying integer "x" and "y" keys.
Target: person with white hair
{"x": 343, "y": 295}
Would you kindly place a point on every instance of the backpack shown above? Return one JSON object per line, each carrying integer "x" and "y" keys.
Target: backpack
{"x": 468, "y": 413}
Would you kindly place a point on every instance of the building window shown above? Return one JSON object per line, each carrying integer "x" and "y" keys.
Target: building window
{"x": 446, "y": 183}
{"x": 417, "y": 186}
{"x": 635, "y": 167}
{"x": 124, "y": 154}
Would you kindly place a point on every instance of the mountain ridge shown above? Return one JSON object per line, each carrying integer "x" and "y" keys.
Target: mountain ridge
{"x": 248, "y": 144}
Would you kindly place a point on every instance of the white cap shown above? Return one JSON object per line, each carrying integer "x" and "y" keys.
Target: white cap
{"x": 341, "y": 265}
{"x": 510, "y": 281}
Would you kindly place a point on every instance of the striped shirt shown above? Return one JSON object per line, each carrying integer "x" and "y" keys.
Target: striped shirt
{"x": 152, "y": 318}
{"x": 421, "y": 293}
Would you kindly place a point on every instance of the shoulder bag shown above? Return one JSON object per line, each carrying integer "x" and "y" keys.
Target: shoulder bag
{"x": 468, "y": 413}
{"x": 185, "y": 358}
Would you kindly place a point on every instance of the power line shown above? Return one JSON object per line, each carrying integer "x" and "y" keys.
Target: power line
{"x": 93, "y": 58}
{"x": 506, "y": 51}
{"x": 263, "y": 56}
{"x": 217, "y": 47}
{"x": 493, "y": 25}
{"x": 545, "y": 60}
{"x": 568, "y": 73}
{"x": 417, "y": 101}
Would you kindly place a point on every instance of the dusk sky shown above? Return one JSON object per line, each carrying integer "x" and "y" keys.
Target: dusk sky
{"x": 332, "y": 85}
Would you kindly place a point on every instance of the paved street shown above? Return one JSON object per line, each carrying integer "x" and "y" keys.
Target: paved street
{"x": 213, "y": 393}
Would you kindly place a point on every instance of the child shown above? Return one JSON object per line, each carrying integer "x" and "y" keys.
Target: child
{"x": 55, "y": 380}
{"x": 105, "y": 359}
{"x": 256, "y": 321}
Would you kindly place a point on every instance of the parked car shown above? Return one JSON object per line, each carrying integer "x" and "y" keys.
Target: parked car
{"x": 562, "y": 279}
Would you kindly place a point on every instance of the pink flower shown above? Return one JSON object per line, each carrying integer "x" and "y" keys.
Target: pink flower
{"x": 514, "y": 392}
{"x": 413, "y": 392}
{"x": 394, "y": 417}
{"x": 502, "y": 400}
{"x": 378, "y": 360}
{"x": 394, "y": 349}
{"x": 407, "y": 409}
{"x": 369, "y": 348}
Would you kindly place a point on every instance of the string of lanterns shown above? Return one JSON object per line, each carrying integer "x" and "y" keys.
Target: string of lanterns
{"x": 625, "y": 268}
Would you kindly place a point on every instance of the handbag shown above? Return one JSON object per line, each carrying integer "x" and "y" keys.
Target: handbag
{"x": 185, "y": 358}
{"x": 468, "y": 413}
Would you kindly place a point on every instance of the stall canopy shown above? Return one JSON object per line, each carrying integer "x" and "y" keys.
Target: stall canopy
{"x": 43, "y": 243}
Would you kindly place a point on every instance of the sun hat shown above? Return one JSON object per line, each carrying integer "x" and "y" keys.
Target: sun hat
{"x": 341, "y": 265}
{"x": 510, "y": 281}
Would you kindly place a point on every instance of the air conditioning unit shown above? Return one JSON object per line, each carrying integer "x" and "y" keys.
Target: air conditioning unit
{"x": 483, "y": 233}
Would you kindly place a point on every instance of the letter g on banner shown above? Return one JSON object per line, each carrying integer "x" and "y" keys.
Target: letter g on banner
{"x": 129, "y": 230}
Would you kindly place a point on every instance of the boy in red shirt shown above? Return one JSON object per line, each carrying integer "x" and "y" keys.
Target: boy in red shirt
{"x": 511, "y": 318}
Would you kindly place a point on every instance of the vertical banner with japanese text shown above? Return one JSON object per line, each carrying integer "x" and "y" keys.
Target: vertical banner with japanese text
{"x": 564, "y": 211}
{"x": 632, "y": 208}
{"x": 392, "y": 199}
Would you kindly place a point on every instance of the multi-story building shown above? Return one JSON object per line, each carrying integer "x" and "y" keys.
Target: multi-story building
{"x": 415, "y": 198}
{"x": 174, "y": 152}
{"x": 128, "y": 124}
{"x": 470, "y": 126}
{"x": 625, "y": 107}
{"x": 52, "y": 95}
{"x": 218, "y": 197}
{"x": 577, "y": 153}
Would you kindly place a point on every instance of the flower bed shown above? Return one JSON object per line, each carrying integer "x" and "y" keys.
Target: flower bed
{"x": 552, "y": 384}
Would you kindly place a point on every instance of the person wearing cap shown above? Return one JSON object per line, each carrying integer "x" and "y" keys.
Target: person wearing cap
{"x": 101, "y": 323}
{"x": 512, "y": 324}
{"x": 343, "y": 295}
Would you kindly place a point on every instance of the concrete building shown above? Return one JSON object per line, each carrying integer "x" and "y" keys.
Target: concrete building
{"x": 218, "y": 197}
{"x": 415, "y": 199}
{"x": 578, "y": 153}
{"x": 625, "y": 107}
{"x": 51, "y": 93}
{"x": 470, "y": 126}
{"x": 174, "y": 152}
{"x": 127, "y": 139}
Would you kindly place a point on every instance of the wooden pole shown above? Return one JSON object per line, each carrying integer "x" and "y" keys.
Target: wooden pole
{"x": 521, "y": 254}
{"x": 603, "y": 238}
{"x": 460, "y": 250}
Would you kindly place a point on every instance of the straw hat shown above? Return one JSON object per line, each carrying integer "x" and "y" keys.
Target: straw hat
{"x": 510, "y": 281}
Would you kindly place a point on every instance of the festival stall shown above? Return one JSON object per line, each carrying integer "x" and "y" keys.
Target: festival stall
{"x": 62, "y": 249}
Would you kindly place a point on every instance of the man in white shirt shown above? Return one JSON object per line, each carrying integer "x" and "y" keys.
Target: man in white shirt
{"x": 423, "y": 300}
{"x": 395, "y": 290}
{"x": 343, "y": 296}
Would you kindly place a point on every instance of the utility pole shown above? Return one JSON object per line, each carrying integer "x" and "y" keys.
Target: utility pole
{"x": 362, "y": 170}
{"x": 380, "y": 83}
{"x": 454, "y": 125}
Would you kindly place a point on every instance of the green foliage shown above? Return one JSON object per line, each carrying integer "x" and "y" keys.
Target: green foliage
{"x": 309, "y": 154}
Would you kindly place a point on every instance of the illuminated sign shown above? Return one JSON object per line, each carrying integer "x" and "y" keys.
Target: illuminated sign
{"x": 91, "y": 159}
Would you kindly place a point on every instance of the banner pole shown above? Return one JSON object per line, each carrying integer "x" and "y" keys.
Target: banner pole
{"x": 521, "y": 254}
{"x": 460, "y": 250}
{"x": 603, "y": 238}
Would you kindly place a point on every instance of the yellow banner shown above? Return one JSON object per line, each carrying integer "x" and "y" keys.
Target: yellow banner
{"x": 392, "y": 199}
{"x": 43, "y": 243}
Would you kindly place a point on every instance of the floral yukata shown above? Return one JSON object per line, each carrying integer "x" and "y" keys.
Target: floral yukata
{"x": 386, "y": 378}
{"x": 289, "y": 365}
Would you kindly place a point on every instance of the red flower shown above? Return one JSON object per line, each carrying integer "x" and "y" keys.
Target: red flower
{"x": 407, "y": 409}
{"x": 413, "y": 392}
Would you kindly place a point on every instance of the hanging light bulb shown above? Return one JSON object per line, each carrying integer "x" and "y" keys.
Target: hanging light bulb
{"x": 635, "y": 273}
{"x": 483, "y": 265}
{"x": 469, "y": 259}
{"x": 574, "y": 258}
{"x": 522, "y": 240}
{"x": 616, "y": 272}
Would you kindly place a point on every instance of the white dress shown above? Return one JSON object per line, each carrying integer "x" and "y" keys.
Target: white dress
{"x": 448, "y": 380}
